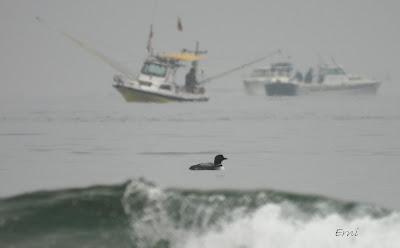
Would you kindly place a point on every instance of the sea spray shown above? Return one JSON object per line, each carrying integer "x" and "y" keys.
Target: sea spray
{"x": 262, "y": 218}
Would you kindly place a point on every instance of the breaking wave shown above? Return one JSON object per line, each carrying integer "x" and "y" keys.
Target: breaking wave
{"x": 140, "y": 214}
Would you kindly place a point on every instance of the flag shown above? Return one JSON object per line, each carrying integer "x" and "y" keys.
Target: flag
{"x": 149, "y": 46}
{"x": 179, "y": 25}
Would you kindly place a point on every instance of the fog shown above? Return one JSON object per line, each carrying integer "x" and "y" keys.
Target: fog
{"x": 37, "y": 63}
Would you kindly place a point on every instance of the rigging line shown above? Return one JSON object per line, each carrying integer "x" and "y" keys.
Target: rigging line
{"x": 89, "y": 49}
{"x": 240, "y": 67}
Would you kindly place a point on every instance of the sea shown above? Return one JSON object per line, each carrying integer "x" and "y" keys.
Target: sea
{"x": 307, "y": 171}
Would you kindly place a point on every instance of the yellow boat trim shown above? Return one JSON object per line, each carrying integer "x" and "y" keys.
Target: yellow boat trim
{"x": 182, "y": 56}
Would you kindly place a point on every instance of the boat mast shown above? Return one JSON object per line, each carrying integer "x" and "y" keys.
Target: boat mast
{"x": 195, "y": 63}
{"x": 197, "y": 51}
{"x": 149, "y": 46}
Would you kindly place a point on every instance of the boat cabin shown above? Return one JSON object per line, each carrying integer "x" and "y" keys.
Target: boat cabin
{"x": 160, "y": 71}
{"x": 282, "y": 69}
{"x": 276, "y": 70}
{"x": 281, "y": 72}
{"x": 331, "y": 74}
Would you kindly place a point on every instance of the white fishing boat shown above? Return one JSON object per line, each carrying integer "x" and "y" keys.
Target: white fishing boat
{"x": 333, "y": 78}
{"x": 157, "y": 80}
{"x": 280, "y": 80}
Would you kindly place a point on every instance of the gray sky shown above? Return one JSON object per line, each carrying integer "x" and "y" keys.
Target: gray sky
{"x": 37, "y": 63}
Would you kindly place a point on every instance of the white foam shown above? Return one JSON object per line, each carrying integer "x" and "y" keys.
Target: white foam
{"x": 267, "y": 227}
{"x": 272, "y": 225}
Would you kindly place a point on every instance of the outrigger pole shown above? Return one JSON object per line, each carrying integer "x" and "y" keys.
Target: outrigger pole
{"x": 95, "y": 53}
{"x": 241, "y": 67}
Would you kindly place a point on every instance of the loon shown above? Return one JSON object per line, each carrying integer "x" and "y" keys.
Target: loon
{"x": 217, "y": 165}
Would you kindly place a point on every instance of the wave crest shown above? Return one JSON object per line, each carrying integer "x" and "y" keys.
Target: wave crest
{"x": 231, "y": 218}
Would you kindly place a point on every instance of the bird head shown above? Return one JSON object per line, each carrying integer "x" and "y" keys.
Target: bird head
{"x": 218, "y": 159}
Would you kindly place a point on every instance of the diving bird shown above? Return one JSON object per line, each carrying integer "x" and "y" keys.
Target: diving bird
{"x": 217, "y": 165}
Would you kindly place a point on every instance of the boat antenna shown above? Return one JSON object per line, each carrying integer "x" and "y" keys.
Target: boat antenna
{"x": 241, "y": 67}
{"x": 149, "y": 45}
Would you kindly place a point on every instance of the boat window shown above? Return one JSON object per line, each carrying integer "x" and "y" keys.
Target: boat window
{"x": 153, "y": 69}
{"x": 334, "y": 71}
{"x": 165, "y": 87}
{"x": 148, "y": 84}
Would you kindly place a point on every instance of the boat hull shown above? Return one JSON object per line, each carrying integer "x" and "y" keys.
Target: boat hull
{"x": 281, "y": 89}
{"x": 285, "y": 89}
{"x": 362, "y": 88}
{"x": 138, "y": 95}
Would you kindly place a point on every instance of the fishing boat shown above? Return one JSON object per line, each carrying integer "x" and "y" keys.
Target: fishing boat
{"x": 281, "y": 81}
{"x": 157, "y": 80}
{"x": 333, "y": 78}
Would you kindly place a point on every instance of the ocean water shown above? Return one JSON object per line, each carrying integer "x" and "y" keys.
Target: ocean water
{"x": 298, "y": 169}
{"x": 140, "y": 214}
